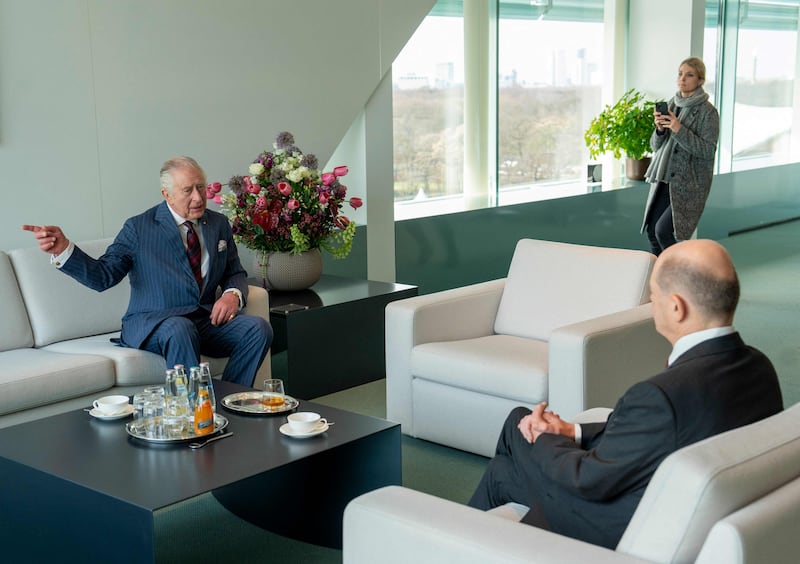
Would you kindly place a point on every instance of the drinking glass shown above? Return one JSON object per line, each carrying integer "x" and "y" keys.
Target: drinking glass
{"x": 154, "y": 416}
{"x": 274, "y": 396}
{"x": 138, "y": 410}
{"x": 159, "y": 390}
{"x": 174, "y": 416}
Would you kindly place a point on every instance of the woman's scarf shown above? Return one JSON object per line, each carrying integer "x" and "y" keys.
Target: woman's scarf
{"x": 657, "y": 171}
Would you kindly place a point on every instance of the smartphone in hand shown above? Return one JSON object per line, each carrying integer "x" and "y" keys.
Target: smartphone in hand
{"x": 661, "y": 107}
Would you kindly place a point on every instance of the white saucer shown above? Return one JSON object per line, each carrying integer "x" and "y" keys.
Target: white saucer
{"x": 100, "y": 415}
{"x": 289, "y": 432}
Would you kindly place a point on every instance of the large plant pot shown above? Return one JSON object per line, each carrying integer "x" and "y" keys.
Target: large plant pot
{"x": 287, "y": 271}
{"x": 635, "y": 169}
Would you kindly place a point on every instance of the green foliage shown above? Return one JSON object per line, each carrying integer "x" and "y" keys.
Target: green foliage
{"x": 339, "y": 243}
{"x": 625, "y": 127}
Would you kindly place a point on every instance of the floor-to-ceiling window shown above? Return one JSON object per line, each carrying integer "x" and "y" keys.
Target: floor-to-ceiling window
{"x": 547, "y": 60}
{"x": 550, "y": 73}
{"x": 428, "y": 108}
{"x": 752, "y": 46}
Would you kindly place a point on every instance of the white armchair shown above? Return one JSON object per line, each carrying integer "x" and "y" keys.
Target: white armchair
{"x": 732, "y": 498}
{"x": 569, "y": 325}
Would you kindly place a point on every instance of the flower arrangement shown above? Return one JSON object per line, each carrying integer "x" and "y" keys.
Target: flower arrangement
{"x": 284, "y": 204}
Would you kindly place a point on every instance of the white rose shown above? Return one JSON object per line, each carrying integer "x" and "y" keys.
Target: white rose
{"x": 256, "y": 169}
{"x": 295, "y": 175}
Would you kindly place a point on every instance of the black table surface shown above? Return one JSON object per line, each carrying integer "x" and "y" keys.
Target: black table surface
{"x": 100, "y": 455}
{"x": 333, "y": 290}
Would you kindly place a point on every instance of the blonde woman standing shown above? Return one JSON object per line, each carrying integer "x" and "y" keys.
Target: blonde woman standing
{"x": 684, "y": 143}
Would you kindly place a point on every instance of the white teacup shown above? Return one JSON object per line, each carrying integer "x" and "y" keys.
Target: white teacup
{"x": 305, "y": 421}
{"x": 111, "y": 405}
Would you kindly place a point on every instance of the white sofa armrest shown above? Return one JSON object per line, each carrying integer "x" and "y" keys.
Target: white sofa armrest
{"x": 258, "y": 304}
{"x": 395, "y": 525}
{"x": 593, "y": 362}
{"x": 462, "y": 313}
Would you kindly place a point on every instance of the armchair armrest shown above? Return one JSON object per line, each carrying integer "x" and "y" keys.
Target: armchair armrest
{"x": 593, "y": 362}
{"x": 462, "y": 313}
{"x": 258, "y": 304}
{"x": 394, "y": 525}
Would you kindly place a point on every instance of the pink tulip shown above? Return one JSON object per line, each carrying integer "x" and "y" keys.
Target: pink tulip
{"x": 341, "y": 171}
{"x": 284, "y": 188}
{"x": 253, "y": 188}
{"x": 218, "y": 199}
{"x": 324, "y": 197}
{"x": 292, "y": 204}
{"x": 210, "y": 193}
{"x": 328, "y": 178}
{"x": 356, "y": 202}
{"x": 215, "y": 187}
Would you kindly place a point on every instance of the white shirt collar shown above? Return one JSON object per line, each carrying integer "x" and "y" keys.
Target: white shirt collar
{"x": 178, "y": 219}
{"x": 693, "y": 339}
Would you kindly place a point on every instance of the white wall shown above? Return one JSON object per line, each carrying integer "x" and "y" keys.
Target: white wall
{"x": 96, "y": 94}
{"x": 662, "y": 34}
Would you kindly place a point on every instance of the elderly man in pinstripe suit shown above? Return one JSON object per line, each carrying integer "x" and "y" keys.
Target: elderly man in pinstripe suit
{"x": 177, "y": 255}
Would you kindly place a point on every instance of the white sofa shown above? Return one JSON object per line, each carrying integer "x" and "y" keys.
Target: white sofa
{"x": 55, "y": 348}
{"x": 571, "y": 325}
{"x": 730, "y": 499}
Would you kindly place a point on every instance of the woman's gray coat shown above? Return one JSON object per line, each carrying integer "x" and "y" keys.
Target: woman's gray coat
{"x": 691, "y": 167}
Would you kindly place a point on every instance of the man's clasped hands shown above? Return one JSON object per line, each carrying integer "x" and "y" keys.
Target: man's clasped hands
{"x": 540, "y": 420}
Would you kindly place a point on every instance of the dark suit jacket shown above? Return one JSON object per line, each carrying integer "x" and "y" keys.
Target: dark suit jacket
{"x": 590, "y": 491}
{"x": 150, "y": 251}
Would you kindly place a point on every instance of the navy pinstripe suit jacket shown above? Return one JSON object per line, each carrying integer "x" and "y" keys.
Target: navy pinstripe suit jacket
{"x": 150, "y": 251}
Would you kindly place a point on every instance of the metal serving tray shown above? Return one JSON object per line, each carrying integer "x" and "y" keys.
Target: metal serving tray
{"x": 250, "y": 402}
{"x": 137, "y": 430}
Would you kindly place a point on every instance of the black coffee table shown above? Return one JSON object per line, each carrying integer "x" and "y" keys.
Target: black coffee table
{"x": 74, "y": 488}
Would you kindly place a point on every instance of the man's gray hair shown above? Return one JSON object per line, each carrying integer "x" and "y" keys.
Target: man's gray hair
{"x": 174, "y": 164}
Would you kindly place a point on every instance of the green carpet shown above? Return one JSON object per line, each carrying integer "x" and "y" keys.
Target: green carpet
{"x": 768, "y": 262}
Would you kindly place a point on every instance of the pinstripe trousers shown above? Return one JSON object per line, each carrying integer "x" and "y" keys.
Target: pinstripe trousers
{"x": 182, "y": 339}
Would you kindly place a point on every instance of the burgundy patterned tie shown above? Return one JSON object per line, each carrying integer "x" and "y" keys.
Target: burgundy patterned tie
{"x": 193, "y": 252}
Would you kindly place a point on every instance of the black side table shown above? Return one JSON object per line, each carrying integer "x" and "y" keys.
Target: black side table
{"x": 338, "y": 341}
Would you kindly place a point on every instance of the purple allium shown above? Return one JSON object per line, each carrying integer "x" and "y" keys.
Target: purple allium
{"x": 236, "y": 184}
{"x": 284, "y": 140}
{"x": 309, "y": 161}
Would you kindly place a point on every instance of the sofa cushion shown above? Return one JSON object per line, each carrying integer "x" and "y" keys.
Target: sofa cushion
{"x": 33, "y": 377}
{"x": 59, "y": 307}
{"x": 700, "y": 484}
{"x": 498, "y": 365}
{"x": 15, "y": 331}
{"x": 131, "y": 366}
{"x": 550, "y": 285}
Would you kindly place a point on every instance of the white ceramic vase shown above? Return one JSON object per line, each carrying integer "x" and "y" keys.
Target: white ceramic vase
{"x": 287, "y": 271}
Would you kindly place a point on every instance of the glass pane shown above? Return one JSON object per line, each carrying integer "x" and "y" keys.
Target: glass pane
{"x": 428, "y": 98}
{"x": 550, "y": 74}
{"x": 765, "y": 71}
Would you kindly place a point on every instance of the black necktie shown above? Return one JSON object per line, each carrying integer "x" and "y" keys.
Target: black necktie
{"x": 193, "y": 252}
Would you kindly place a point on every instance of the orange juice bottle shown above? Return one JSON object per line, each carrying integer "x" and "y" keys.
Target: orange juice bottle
{"x": 203, "y": 413}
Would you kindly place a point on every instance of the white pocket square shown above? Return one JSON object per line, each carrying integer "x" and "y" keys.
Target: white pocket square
{"x": 222, "y": 245}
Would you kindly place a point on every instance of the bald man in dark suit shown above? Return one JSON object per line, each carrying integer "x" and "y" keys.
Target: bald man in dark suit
{"x": 585, "y": 481}
{"x": 178, "y": 256}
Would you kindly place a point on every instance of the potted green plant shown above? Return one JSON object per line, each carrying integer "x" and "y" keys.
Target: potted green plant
{"x": 626, "y": 128}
